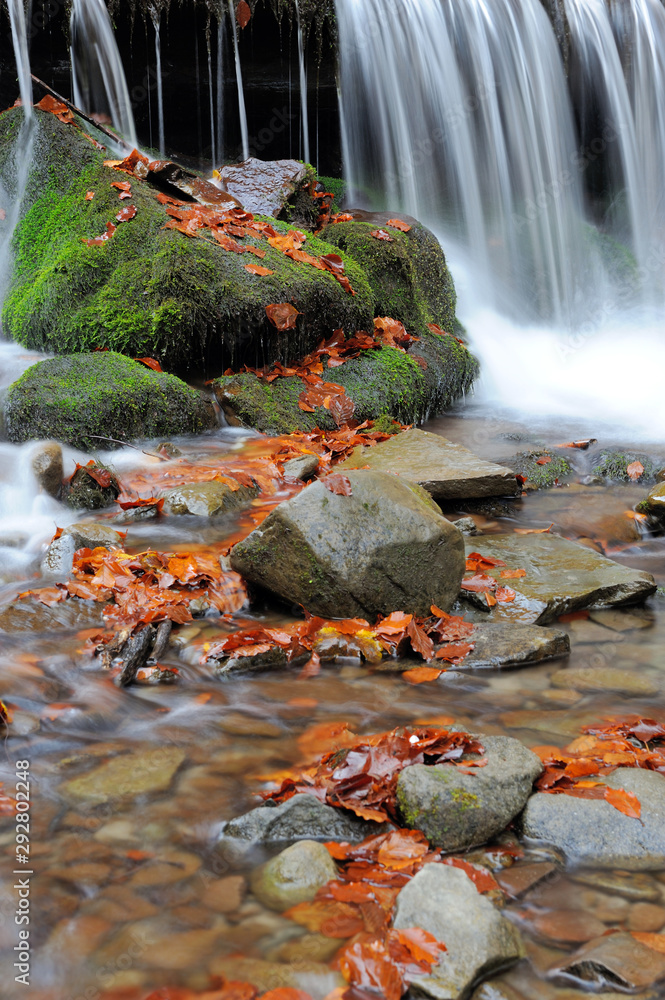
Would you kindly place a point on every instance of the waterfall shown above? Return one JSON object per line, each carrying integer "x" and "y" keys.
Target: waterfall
{"x": 211, "y": 103}
{"x": 244, "y": 131}
{"x": 221, "y": 39}
{"x": 304, "y": 120}
{"x": 156, "y": 20}
{"x": 457, "y": 112}
{"x": 100, "y": 86}
{"x": 16, "y": 171}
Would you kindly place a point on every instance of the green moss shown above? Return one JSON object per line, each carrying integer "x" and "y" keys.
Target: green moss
{"x": 75, "y": 398}
{"x": 149, "y": 290}
{"x": 338, "y": 188}
{"x": 613, "y": 465}
{"x": 464, "y": 800}
{"x": 541, "y": 477}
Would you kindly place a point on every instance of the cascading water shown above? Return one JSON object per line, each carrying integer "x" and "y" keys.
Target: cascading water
{"x": 99, "y": 80}
{"x": 221, "y": 41}
{"x": 304, "y": 117}
{"x": 211, "y": 104}
{"x": 244, "y": 130}
{"x": 458, "y": 113}
{"x": 156, "y": 20}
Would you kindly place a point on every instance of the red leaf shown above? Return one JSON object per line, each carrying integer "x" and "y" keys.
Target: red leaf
{"x": 338, "y": 484}
{"x": 398, "y": 224}
{"x": 368, "y": 964}
{"x": 124, "y": 187}
{"x": 454, "y": 652}
{"x": 243, "y": 13}
{"x": 125, "y": 214}
{"x": 420, "y": 641}
{"x": 285, "y": 992}
{"x": 479, "y": 584}
{"x": 150, "y": 363}
{"x": 99, "y": 241}
{"x": 282, "y": 315}
{"x": 381, "y": 234}
{"x": 512, "y": 574}
{"x": 504, "y": 594}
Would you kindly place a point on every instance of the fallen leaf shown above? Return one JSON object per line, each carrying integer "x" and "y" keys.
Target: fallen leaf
{"x": 654, "y": 941}
{"x": 89, "y": 195}
{"x": 125, "y": 214}
{"x": 544, "y": 460}
{"x": 257, "y": 269}
{"x": 150, "y": 363}
{"x": 625, "y": 802}
{"x": 635, "y": 470}
{"x": 243, "y": 13}
{"x": 282, "y": 315}
{"x": 512, "y": 574}
{"x": 338, "y": 484}
{"x": 398, "y": 224}
{"x": 381, "y": 234}
{"x": 420, "y": 675}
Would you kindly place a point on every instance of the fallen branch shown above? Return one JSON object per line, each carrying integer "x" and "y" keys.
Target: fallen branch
{"x": 77, "y": 111}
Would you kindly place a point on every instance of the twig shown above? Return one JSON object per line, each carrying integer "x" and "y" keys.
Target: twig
{"x": 126, "y": 444}
{"x": 77, "y": 111}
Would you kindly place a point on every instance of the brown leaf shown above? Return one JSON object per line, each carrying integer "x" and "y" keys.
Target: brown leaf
{"x": 89, "y": 195}
{"x": 125, "y": 214}
{"x": 243, "y": 13}
{"x": 398, "y": 224}
{"x": 338, "y": 484}
{"x": 381, "y": 234}
{"x": 635, "y": 470}
{"x": 150, "y": 363}
{"x": 282, "y": 315}
{"x": 257, "y": 269}
{"x": 420, "y": 675}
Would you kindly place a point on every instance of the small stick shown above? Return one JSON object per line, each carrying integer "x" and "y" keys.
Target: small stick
{"x": 77, "y": 111}
{"x": 126, "y": 444}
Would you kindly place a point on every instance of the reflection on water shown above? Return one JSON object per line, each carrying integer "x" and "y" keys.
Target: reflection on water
{"x": 129, "y": 892}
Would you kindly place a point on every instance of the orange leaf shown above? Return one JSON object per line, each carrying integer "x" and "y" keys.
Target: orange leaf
{"x": 512, "y": 574}
{"x": 285, "y": 992}
{"x": 257, "y": 269}
{"x": 625, "y": 802}
{"x": 381, "y": 234}
{"x": 150, "y": 363}
{"x": 635, "y": 470}
{"x": 243, "y": 13}
{"x": 534, "y": 531}
{"x": 454, "y": 652}
{"x": 423, "y": 946}
{"x": 89, "y": 195}
{"x": 654, "y": 941}
{"x": 125, "y": 214}
{"x": 504, "y": 594}
{"x": 398, "y": 224}
{"x": 420, "y": 675}
{"x": 282, "y": 315}
{"x": 545, "y": 460}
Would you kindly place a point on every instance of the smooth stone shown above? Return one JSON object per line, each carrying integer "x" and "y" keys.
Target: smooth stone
{"x": 647, "y": 917}
{"x": 28, "y": 615}
{"x": 479, "y": 940}
{"x": 205, "y": 499}
{"x": 181, "y": 950}
{"x": 127, "y": 776}
{"x": 459, "y": 808}
{"x": 567, "y": 926}
{"x": 616, "y": 960}
{"x": 592, "y": 832}
{"x": 561, "y": 577}
{"x": 520, "y": 878}
{"x": 467, "y": 526}
{"x": 224, "y": 895}
{"x": 263, "y": 186}
{"x": 587, "y": 632}
{"x": 445, "y": 469}
{"x": 558, "y": 722}
{"x": 622, "y": 621}
{"x": 294, "y": 876}
{"x": 301, "y": 817}
{"x": 302, "y": 467}
{"x": 385, "y": 548}
{"x": 59, "y": 557}
{"x": 630, "y": 885}
{"x": 605, "y": 679}
{"x": 654, "y": 503}
{"x": 47, "y": 466}
{"x": 312, "y": 977}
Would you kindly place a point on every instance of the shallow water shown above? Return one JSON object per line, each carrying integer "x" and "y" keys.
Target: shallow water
{"x": 130, "y": 892}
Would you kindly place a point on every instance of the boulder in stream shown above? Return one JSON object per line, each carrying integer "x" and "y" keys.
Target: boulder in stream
{"x": 47, "y": 466}
{"x": 479, "y": 940}
{"x": 294, "y": 876}
{"x": 457, "y": 808}
{"x": 384, "y": 548}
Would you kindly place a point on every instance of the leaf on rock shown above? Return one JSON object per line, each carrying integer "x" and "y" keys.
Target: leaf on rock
{"x": 544, "y": 460}
{"x": 404, "y": 227}
{"x": 635, "y": 471}
{"x": 625, "y": 802}
{"x": 89, "y": 195}
{"x": 257, "y": 269}
{"x": 150, "y": 363}
{"x": 282, "y": 315}
{"x": 381, "y": 234}
{"x": 338, "y": 484}
{"x": 654, "y": 941}
{"x": 125, "y": 214}
{"x": 99, "y": 241}
{"x": 420, "y": 675}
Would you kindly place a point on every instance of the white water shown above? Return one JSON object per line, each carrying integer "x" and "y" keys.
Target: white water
{"x": 156, "y": 21}
{"x": 244, "y": 131}
{"x": 211, "y": 103}
{"x": 221, "y": 39}
{"x": 97, "y": 70}
{"x": 304, "y": 116}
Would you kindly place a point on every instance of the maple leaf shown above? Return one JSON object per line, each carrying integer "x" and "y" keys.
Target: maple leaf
{"x": 89, "y": 195}
{"x": 635, "y": 471}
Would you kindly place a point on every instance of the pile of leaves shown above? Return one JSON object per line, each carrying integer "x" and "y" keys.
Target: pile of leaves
{"x": 396, "y": 634}
{"x": 361, "y": 773}
{"x": 627, "y": 742}
{"x": 148, "y": 587}
{"x": 479, "y": 581}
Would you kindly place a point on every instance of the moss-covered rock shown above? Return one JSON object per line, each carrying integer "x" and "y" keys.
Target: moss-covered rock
{"x": 541, "y": 469}
{"x": 383, "y": 383}
{"x": 74, "y": 398}
{"x": 149, "y": 290}
{"x": 614, "y": 465}
{"x": 409, "y": 276}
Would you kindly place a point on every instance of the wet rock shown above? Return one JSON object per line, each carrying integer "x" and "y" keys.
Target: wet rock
{"x": 622, "y": 620}
{"x": 312, "y": 977}
{"x": 47, "y": 467}
{"x": 302, "y": 467}
{"x": 566, "y": 926}
{"x": 614, "y": 961}
{"x": 520, "y": 878}
{"x": 126, "y": 777}
{"x": 264, "y": 187}
{"x": 181, "y": 950}
{"x": 83, "y": 535}
{"x": 224, "y": 895}
{"x": 294, "y": 876}
{"x": 591, "y": 633}
{"x": 301, "y": 817}
{"x": 92, "y": 487}
{"x": 75, "y": 397}
{"x": 561, "y": 577}
{"x": 455, "y": 809}
{"x": 654, "y": 504}
{"x": 239, "y": 666}
{"x": 628, "y": 682}
{"x": 541, "y": 469}
{"x": 386, "y": 547}
{"x": 467, "y": 526}
{"x": 646, "y": 917}
{"x": 592, "y": 832}
{"x": 479, "y": 940}
{"x": 206, "y": 499}
{"x": 28, "y": 615}
{"x": 633, "y": 885}
{"x": 613, "y": 465}
{"x": 446, "y": 470}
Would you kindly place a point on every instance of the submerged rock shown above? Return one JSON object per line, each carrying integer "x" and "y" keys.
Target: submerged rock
{"x": 27, "y": 615}
{"x": 301, "y": 817}
{"x": 385, "y": 548}
{"x": 592, "y": 832}
{"x": 206, "y": 499}
{"x": 92, "y": 487}
{"x": 612, "y": 961}
{"x": 479, "y": 940}
{"x": 294, "y": 876}
{"x": 457, "y": 810}
{"x": 561, "y": 577}
{"x": 446, "y": 470}
{"x": 126, "y": 777}
{"x": 628, "y": 682}
{"x": 76, "y": 397}
{"x": 47, "y": 465}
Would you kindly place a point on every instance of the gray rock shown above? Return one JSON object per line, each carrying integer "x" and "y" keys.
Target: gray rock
{"x": 302, "y": 467}
{"x": 387, "y": 547}
{"x": 467, "y": 526}
{"x": 294, "y": 876}
{"x": 446, "y": 470}
{"x": 301, "y": 817}
{"x": 263, "y": 186}
{"x": 48, "y": 467}
{"x": 238, "y": 666}
{"x": 479, "y": 940}
{"x": 59, "y": 556}
{"x": 206, "y": 499}
{"x": 459, "y": 808}
{"x": 592, "y": 832}
{"x": 561, "y": 577}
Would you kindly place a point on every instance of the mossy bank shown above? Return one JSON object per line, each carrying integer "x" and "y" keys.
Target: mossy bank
{"x": 84, "y": 399}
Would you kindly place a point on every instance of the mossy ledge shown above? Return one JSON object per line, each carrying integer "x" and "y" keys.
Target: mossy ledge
{"x": 383, "y": 382}
{"x": 74, "y": 398}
